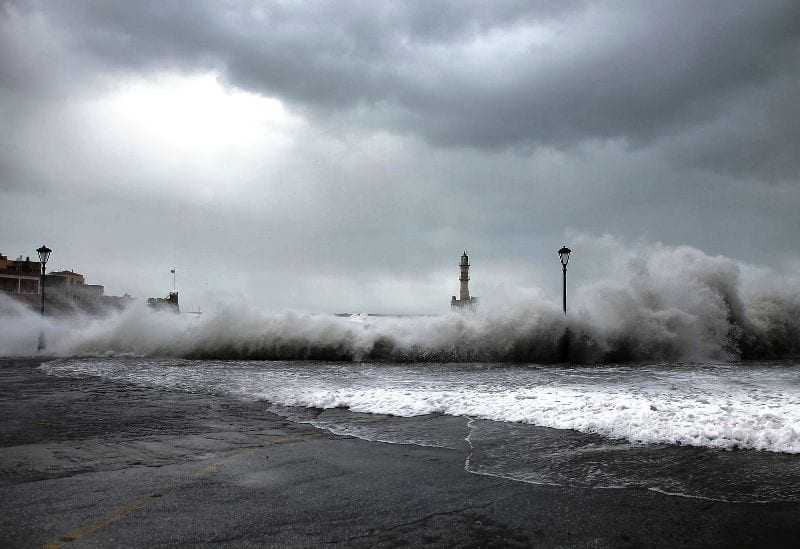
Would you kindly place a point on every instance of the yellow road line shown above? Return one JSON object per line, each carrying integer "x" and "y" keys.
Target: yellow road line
{"x": 120, "y": 513}
{"x": 89, "y": 529}
{"x": 139, "y": 503}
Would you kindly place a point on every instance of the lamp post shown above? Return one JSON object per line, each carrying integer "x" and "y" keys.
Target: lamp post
{"x": 563, "y": 255}
{"x": 44, "y": 255}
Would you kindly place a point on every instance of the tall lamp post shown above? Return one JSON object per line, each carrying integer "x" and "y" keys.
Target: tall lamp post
{"x": 44, "y": 255}
{"x": 563, "y": 255}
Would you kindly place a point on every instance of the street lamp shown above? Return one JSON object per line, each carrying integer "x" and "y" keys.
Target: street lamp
{"x": 44, "y": 255}
{"x": 563, "y": 255}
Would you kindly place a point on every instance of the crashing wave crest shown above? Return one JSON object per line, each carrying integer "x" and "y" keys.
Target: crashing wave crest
{"x": 664, "y": 303}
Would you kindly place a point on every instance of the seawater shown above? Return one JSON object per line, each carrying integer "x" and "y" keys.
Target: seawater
{"x": 722, "y": 431}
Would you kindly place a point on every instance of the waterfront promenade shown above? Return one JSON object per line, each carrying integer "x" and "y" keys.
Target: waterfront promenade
{"x": 89, "y": 463}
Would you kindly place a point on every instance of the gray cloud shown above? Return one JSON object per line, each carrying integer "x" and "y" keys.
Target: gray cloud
{"x": 487, "y": 76}
{"x": 426, "y": 127}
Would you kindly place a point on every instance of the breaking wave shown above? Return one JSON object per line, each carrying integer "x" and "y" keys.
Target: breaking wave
{"x": 659, "y": 304}
{"x": 754, "y": 405}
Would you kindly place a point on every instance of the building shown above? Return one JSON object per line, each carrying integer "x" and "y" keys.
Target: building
{"x": 464, "y": 301}
{"x": 66, "y": 292}
{"x": 64, "y": 278}
{"x": 169, "y": 303}
{"x": 71, "y": 285}
{"x": 19, "y": 277}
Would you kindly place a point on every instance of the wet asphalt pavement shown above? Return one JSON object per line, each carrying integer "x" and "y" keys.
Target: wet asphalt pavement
{"x": 89, "y": 463}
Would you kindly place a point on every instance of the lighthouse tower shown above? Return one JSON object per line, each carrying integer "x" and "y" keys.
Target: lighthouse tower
{"x": 464, "y": 278}
{"x": 464, "y": 301}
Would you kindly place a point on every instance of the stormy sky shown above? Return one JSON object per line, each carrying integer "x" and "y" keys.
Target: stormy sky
{"x": 339, "y": 156}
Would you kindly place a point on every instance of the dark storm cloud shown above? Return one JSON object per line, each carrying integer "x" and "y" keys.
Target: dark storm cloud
{"x": 758, "y": 136}
{"x": 403, "y": 133}
{"x": 713, "y": 81}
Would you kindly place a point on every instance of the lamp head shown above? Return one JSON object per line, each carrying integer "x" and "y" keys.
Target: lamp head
{"x": 44, "y": 254}
{"x": 563, "y": 255}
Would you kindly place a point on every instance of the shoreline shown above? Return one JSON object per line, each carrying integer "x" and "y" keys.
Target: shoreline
{"x": 97, "y": 463}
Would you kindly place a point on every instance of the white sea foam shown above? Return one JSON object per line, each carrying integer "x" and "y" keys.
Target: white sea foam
{"x": 654, "y": 303}
{"x": 755, "y": 406}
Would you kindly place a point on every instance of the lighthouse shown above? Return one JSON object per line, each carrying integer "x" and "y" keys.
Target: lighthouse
{"x": 464, "y": 301}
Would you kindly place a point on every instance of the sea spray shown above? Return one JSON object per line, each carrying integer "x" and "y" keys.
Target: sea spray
{"x": 656, "y": 303}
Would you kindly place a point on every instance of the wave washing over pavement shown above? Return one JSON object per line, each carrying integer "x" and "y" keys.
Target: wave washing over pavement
{"x": 747, "y": 406}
